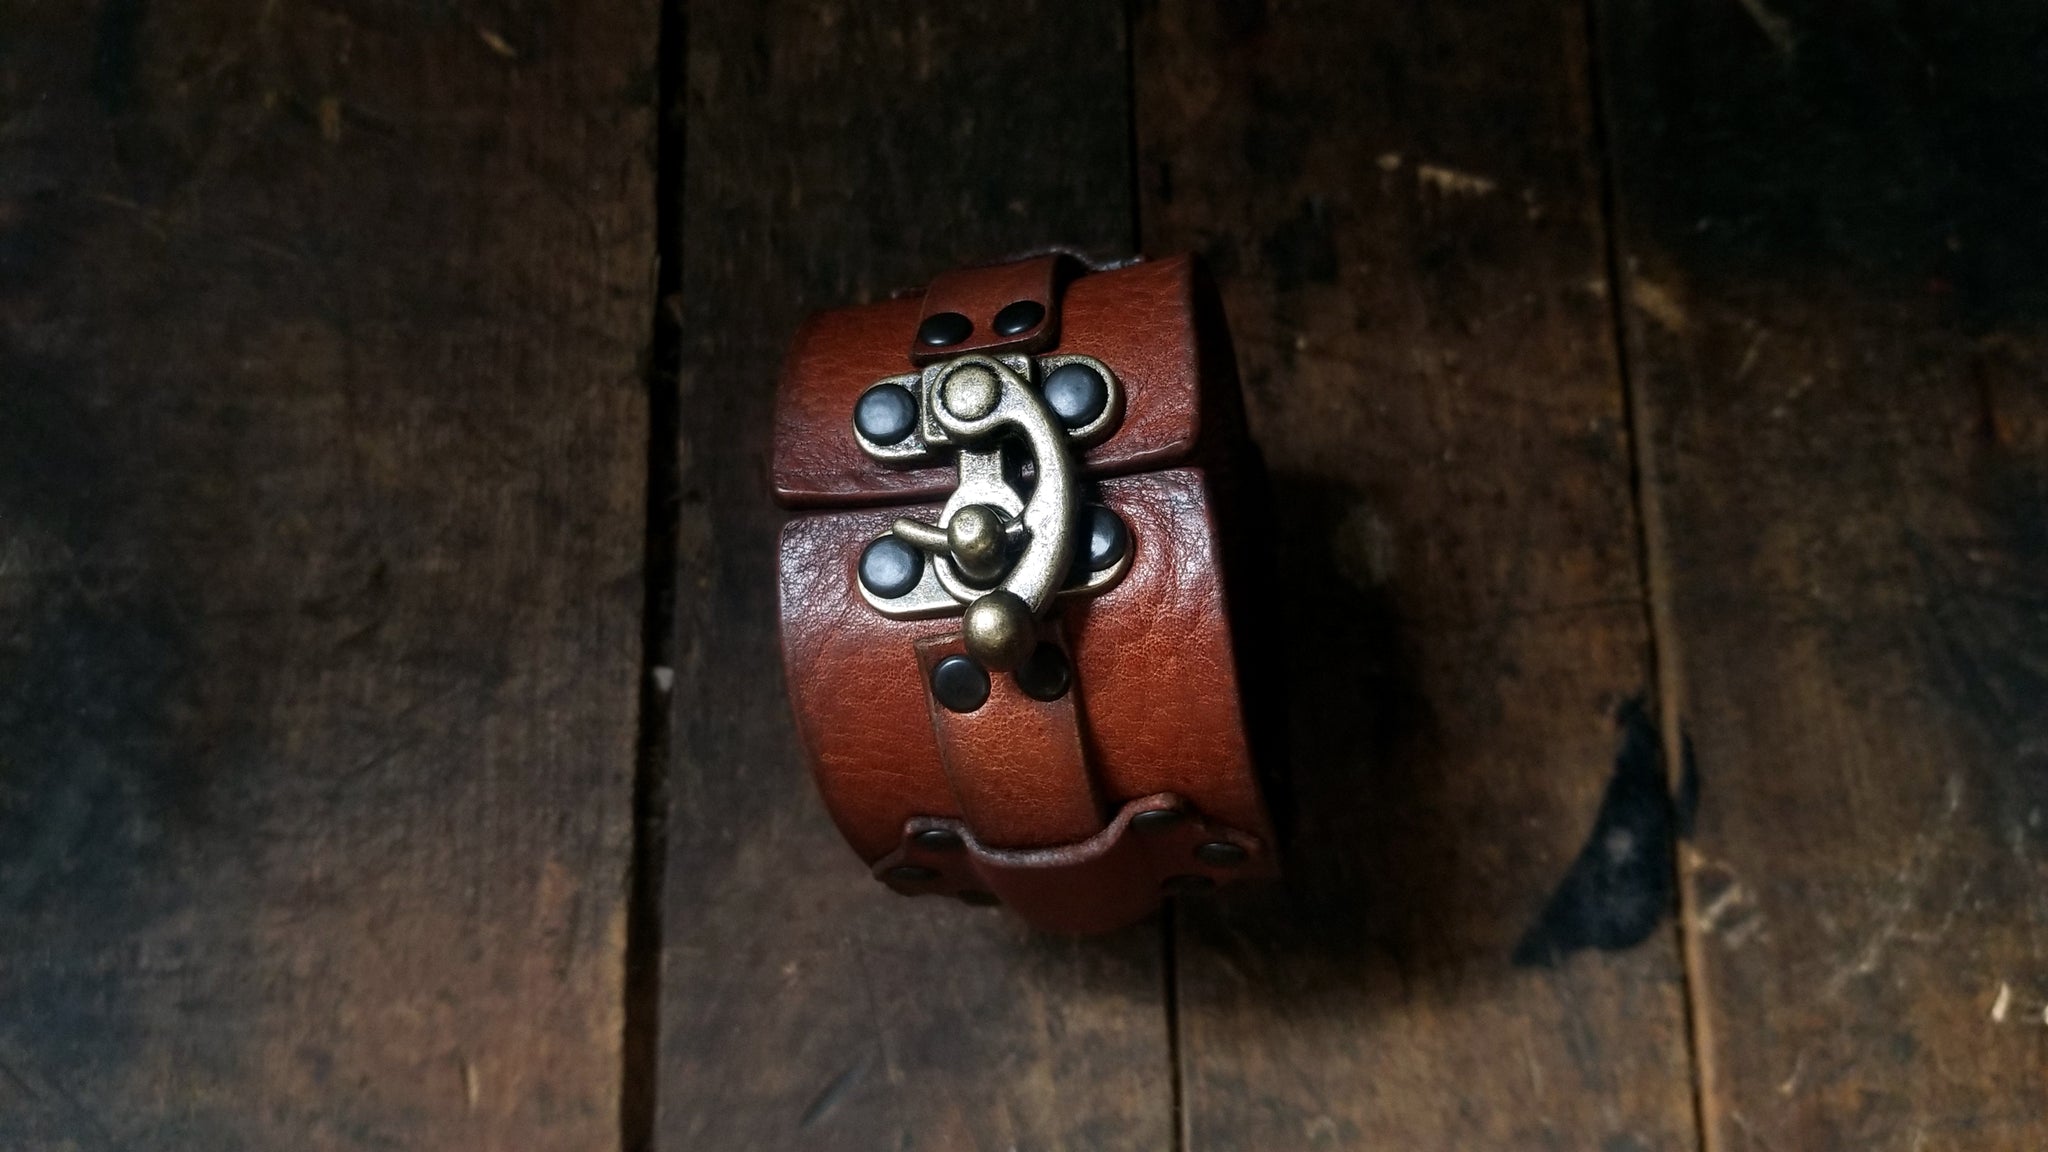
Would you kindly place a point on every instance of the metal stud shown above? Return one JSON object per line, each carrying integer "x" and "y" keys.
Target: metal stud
{"x": 890, "y": 568}
{"x": 886, "y": 413}
{"x": 1076, "y": 393}
{"x": 1046, "y": 675}
{"x": 960, "y": 684}
{"x": 944, "y": 329}
{"x": 938, "y": 840}
{"x": 911, "y": 874}
{"x": 1108, "y": 537}
{"x": 1220, "y": 854}
{"x": 1156, "y": 820}
{"x": 1019, "y": 317}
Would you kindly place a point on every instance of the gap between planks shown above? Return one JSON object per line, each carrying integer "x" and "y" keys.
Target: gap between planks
{"x": 1653, "y": 572}
{"x": 647, "y": 864}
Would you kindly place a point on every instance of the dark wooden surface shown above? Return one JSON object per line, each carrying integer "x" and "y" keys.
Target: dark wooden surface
{"x": 321, "y": 462}
{"x": 1405, "y": 212}
{"x": 1837, "y": 300}
{"x": 1637, "y": 381}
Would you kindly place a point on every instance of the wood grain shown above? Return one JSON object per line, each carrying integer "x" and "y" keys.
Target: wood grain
{"x": 836, "y": 152}
{"x": 321, "y": 457}
{"x": 1404, "y": 213}
{"x": 1835, "y": 317}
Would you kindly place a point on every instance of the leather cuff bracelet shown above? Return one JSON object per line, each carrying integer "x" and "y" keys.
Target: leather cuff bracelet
{"x": 1008, "y": 649}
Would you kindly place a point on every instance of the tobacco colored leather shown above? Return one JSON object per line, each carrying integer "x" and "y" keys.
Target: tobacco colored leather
{"x": 1122, "y": 868}
{"x": 1155, "y": 678}
{"x": 980, "y": 293}
{"x": 1138, "y": 320}
{"x": 1040, "y": 793}
{"x": 1018, "y": 772}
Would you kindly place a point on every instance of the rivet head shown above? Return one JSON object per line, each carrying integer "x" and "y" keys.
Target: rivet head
{"x": 999, "y": 630}
{"x": 971, "y": 392}
{"x": 938, "y": 840}
{"x": 1220, "y": 854}
{"x": 885, "y": 413}
{"x": 1020, "y": 317}
{"x": 1076, "y": 393}
{"x": 960, "y": 684}
{"x": 944, "y": 329}
{"x": 1185, "y": 885}
{"x": 889, "y": 567}
{"x": 1046, "y": 675}
{"x": 911, "y": 874}
{"x": 1108, "y": 537}
{"x": 1156, "y": 820}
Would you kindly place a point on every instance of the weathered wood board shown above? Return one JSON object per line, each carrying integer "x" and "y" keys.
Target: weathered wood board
{"x": 321, "y": 460}
{"x": 1474, "y": 951}
{"x": 1837, "y": 301}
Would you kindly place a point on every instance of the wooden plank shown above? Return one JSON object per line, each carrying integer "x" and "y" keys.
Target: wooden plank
{"x": 1836, "y": 328}
{"x": 321, "y": 458}
{"x": 836, "y": 152}
{"x": 1406, "y": 218}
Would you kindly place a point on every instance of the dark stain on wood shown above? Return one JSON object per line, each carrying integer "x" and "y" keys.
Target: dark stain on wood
{"x": 1619, "y": 887}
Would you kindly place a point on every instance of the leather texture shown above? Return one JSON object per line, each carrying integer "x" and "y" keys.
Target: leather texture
{"x": 1155, "y": 681}
{"x": 980, "y": 293}
{"x": 1121, "y": 869}
{"x": 1041, "y": 795}
{"x": 1015, "y": 764}
{"x": 1138, "y": 320}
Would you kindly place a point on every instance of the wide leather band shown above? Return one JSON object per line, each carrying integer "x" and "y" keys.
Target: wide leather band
{"x": 1111, "y": 768}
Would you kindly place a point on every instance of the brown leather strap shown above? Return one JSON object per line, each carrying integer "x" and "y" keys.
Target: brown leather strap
{"x": 1000, "y": 308}
{"x": 1139, "y": 320}
{"x": 1155, "y": 844}
{"x": 1081, "y": 811}
{"x": 1015, "y": 763}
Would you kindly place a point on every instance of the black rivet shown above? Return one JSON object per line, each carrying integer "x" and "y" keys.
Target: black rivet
{"x": 938, "y": 839}
{"x": 977, "y": 897}
{"x": 890, "y": 567}
{"x": 1108, "y": 537}
{"x": 885, "y": 413}
{"x": 1045, "y": 675}
{"x": 1019, "y": 317}
{"x": 1183, "y": 885}
{"x": 944, "y": 329}
{"x": 1076, "y": 393}
{"x": 960, "y": 684}
{"x": 1154, "y": 820}
{"x": 1220, "y": 854}
{"x": 912, "y": 874}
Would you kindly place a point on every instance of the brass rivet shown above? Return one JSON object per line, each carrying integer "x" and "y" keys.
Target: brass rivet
{"x": 971, "y": 392}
